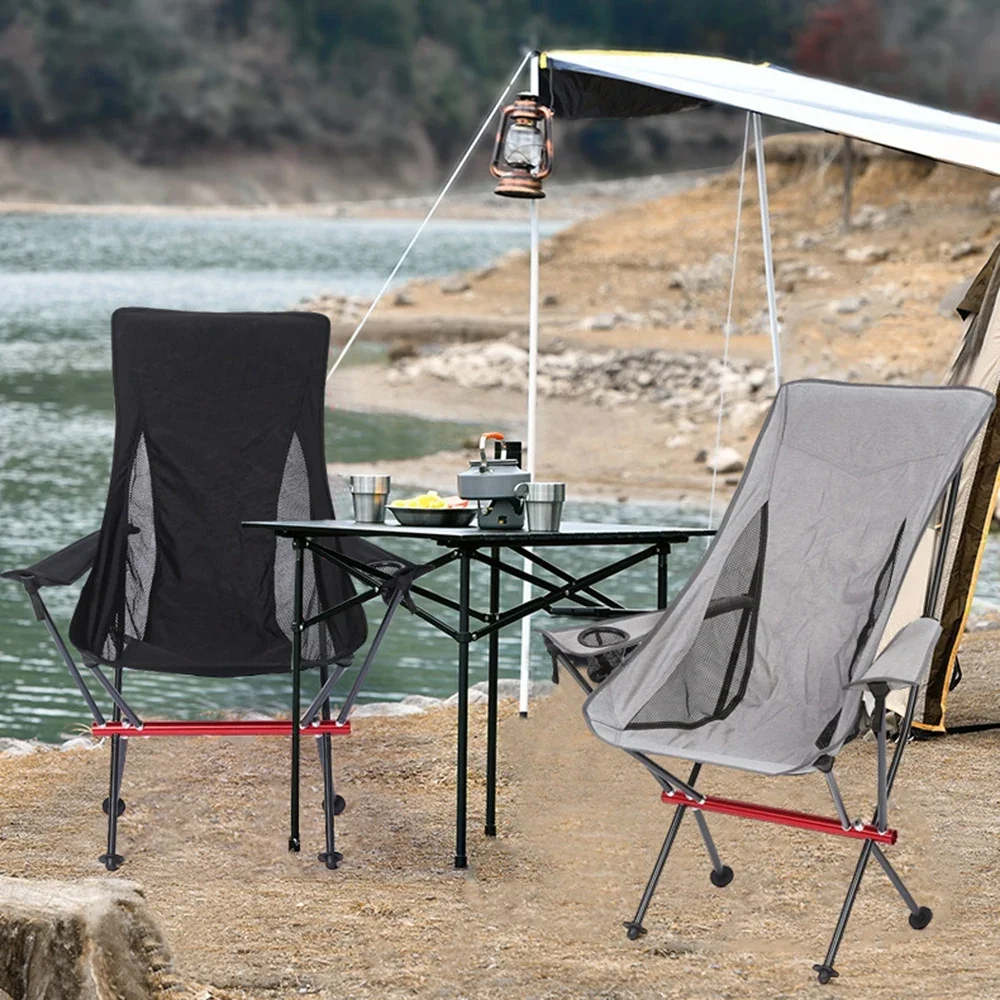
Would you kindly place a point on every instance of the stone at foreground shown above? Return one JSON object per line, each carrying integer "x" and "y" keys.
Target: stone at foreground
{"x": 82, "y": 940}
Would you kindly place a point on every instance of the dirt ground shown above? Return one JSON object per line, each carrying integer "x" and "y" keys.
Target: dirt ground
{"x": 621, "y": 456}
{"x": 538, "y": 914}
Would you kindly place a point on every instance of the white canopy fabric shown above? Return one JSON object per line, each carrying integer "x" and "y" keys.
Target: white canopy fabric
{"x": 779, "y": 93}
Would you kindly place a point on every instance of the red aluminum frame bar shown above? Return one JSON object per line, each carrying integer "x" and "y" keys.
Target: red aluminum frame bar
{"x": 783, "y": 817}
{"x": 222, "y": 727}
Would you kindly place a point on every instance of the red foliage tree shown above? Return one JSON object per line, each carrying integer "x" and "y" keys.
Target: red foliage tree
{"x": 844, "y": 40}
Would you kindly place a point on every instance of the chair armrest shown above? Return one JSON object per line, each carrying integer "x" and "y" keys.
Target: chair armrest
{"x": 61, "y": 568}
{"x": 904, "y": 661}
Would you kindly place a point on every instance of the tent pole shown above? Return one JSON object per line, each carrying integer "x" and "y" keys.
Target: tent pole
{"x": 765, "y": 225}
{"x": 532, "y": 408}
{"x": 427, "y": 218}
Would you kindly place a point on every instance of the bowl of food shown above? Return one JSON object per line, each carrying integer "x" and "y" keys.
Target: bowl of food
{"x": 429, "y": 510}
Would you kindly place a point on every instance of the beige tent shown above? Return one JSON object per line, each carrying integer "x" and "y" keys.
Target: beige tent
{"x": 977, "y": 363}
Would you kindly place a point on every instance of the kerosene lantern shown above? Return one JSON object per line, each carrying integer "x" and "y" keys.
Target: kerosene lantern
{"x": 522, "y": 156}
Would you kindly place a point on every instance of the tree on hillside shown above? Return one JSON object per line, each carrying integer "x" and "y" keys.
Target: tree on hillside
{"x": 845, "y": 41}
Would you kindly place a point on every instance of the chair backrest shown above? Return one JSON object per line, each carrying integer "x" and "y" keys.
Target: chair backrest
{"x": 790, "y": 601}
{"x": 218, "y": 419}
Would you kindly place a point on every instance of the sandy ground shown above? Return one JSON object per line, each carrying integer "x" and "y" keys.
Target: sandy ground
{"x": 663, "y": 266}
{"x": 538, "y": 914}
{"x": 622, "y": 454}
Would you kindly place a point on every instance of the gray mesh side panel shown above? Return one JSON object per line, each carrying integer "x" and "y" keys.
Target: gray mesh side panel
{"x": 878, "y": 599}
{"x": 140, "y": 558}
{"x": 711, "y": 678}
{"x": 294, "y": 505}
{"x": 140, "y": 561}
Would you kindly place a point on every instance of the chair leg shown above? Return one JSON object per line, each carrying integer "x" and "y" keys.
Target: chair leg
{"x": 333, "y": 804}
{"x": 826, "y": 971}
{"x": 920, "y": 916}
{"x": 722, "y": 874}
{"x": 112, "y": 860}
{"x": 634, "y": 926}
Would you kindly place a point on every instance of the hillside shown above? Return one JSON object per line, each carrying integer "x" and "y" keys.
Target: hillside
{"x": 264, "y": 101}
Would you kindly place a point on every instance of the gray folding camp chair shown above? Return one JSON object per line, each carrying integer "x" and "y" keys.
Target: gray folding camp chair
{"x": 763, "y": 659}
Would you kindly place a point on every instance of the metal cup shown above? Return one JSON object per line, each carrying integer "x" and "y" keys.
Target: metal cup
{"x": 543, "y": 504}
{"x": 370, "y": 494}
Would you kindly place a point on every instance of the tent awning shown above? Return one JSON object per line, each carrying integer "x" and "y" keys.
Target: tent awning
{"x": 599, "y": 84}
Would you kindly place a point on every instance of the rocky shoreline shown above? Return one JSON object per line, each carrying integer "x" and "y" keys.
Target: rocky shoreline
{"x": 686, "y": 384}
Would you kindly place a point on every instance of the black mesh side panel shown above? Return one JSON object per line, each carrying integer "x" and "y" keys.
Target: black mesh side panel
{"x": 711, "y": 679}
{"x": 878, "y": 599}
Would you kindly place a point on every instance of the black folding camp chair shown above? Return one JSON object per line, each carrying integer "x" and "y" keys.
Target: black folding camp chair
{"x": 762, "y": 661}
{"x": 218, "y": 420}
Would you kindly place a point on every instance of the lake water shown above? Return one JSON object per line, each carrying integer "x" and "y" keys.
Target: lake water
{"x": 60, "y": 279}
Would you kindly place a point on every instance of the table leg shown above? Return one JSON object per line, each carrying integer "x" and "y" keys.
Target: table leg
{"x": 492, "y": 677}
{"x": 298, "y": 545}
{"x": 662, "y": 553}
{"x": 461, "y": 775}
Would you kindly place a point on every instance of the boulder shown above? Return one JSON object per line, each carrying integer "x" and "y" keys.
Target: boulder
{"x": 455, "y": 285}
{"x": 476, "y": 697}
{"x": 422, "y": 701}
{"x": 849, "y": 306}
{"x": 867, "y": 255}
{"x": 79, "y": 743}
{"x": 965, "y": 248}
{"x": 384, "y": 708}
{"x": 605, "y": 321}
{"x": 79, "y": 940}
{"x": 10, "y": 747}
{"x": 510, "y": 687}
{"x": 725, "y": 460}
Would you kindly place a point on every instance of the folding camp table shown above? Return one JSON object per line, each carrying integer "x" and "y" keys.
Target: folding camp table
{"x": 468, "y": 545}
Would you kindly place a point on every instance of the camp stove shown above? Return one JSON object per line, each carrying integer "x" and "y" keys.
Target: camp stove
{"x": 492, "y": 482}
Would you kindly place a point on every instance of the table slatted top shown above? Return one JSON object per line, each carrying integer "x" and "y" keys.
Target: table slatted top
{"x": 569, "y": 533}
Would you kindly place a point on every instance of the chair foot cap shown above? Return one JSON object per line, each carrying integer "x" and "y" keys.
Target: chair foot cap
{"x": 331, "y": 860}
{"x": 339, "y": 804}
{"x": 634, "y": 930}
{"x": 824, "y": 973}
{"x": 111, "y": 861}
{"x": 721, "y": 879}
{"x": 107, "y": 802}
{"x": 294, "y": 844}
{"x": 920, "y": 919}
